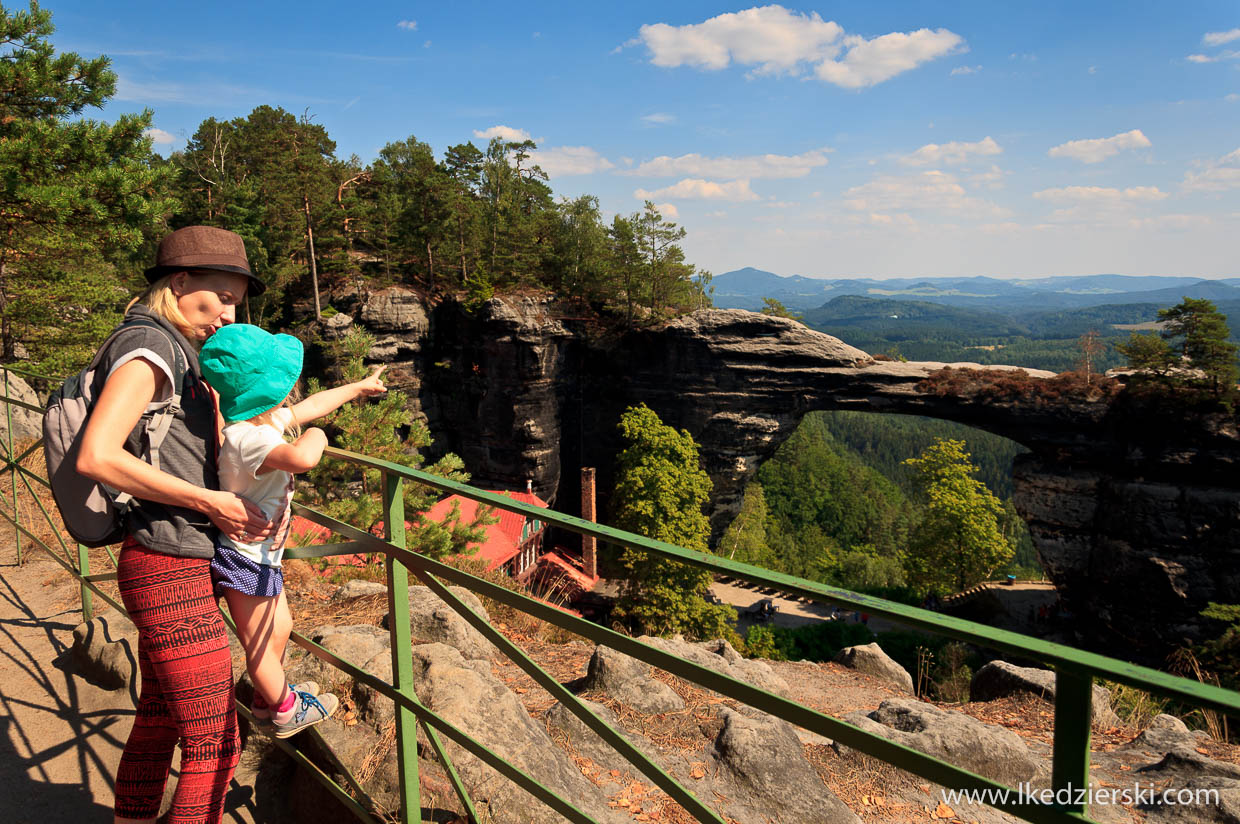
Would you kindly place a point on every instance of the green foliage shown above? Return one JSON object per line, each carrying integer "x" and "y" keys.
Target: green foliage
{"x": 1221, "y": 655}
{"x": 660, "y": 490}
{"x": 374, "y": 427}
{"x": 745, "y": 539}
{"x": 1192, "y": 351}
{"x": 824, "y": 502}
{"x": 77, "y": 196}
{"x": 812, "y": 642}
{"x": 958, "y": 542}
{"x": 770, "y": 306}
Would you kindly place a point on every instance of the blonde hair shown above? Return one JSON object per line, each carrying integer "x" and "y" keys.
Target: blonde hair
{"x": 293, "y": 431}
{"x": 162, "y": 301}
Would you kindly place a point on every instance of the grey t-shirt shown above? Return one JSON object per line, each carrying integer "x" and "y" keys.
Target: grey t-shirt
{"x": 188, "y": 451}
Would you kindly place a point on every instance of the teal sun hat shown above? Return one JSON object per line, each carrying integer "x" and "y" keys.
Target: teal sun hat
{"x": 251, "y": 370}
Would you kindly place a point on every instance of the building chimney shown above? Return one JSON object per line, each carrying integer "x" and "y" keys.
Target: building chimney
{"x": 589, "y": 544}
{"x": 529, "y": 486}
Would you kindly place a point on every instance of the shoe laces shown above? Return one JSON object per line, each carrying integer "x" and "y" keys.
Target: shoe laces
{"x": 307, "y": 702}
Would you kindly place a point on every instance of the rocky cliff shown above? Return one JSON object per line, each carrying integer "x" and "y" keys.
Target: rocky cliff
{"x": 1120, "y": 499}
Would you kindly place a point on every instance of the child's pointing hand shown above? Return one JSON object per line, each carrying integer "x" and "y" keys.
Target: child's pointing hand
{"x": 372, "y": 384}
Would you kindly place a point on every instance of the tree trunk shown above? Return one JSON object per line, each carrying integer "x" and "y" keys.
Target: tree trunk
{"x": 430, "y": 265}
{"x": 7, "y": 346}
{"x": 314, "y": 269}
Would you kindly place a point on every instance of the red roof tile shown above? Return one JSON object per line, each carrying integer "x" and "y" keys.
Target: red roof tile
{"x": 503, "y": 539}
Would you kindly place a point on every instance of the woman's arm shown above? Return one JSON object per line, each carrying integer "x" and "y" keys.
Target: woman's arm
{"x": 329, "y": 400}
{"x": 103, "y": 457}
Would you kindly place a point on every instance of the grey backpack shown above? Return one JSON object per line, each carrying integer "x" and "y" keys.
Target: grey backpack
{"x": 94, "y": 513}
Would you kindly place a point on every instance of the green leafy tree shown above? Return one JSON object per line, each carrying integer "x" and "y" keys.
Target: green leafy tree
{"x": 660, "y": 490}
{"x": 771, "y": 306}
{"x": 745, "y": 538}
{"x": 76, "y": 196}
{"x": 1192, "y": 350}
{"x": 959, "y": 541}
{"x": 374, "y": 427}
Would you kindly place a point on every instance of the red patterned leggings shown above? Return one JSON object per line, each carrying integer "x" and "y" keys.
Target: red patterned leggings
{"x": 187, "y": 690}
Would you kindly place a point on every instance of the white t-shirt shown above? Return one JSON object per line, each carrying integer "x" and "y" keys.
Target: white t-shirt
{"x": 246, "y": 445}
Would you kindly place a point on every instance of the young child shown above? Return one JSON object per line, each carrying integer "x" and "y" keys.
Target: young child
{"x": 254, "y": 372}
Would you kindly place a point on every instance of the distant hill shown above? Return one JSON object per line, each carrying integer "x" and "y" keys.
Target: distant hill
{"x": 907, "y": 319}
{"x": 745, "y": 288}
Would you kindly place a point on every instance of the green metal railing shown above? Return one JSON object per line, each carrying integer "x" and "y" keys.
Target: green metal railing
{"x": 1075, "y": 669}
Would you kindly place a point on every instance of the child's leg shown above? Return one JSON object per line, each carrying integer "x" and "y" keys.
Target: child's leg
{"x": 264, "y": 624}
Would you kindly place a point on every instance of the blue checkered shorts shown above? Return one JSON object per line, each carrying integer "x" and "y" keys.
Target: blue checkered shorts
{"x": 232, "y": 570}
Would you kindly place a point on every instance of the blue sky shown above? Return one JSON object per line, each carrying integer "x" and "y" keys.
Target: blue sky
{"x": 863, "y": 139}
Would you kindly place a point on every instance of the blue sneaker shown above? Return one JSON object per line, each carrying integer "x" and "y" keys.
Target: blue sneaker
{"x": 262, "y": 714}
{"x": 310, "y": 710}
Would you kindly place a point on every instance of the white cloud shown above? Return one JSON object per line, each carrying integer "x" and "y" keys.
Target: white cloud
{"x": 1232, "y": 98}
{"x": 1218, "y": 38}
{"x": 562, "y": 161}
{"x": 668, "y": 210}
{"x": 1099, "y": 194}
{"x": 769, "y": 166}
{"x": 966, "y": 70}
{"x": 1217, "y": 176}
{"x": 1213, "y": 58}
{"x": 697, "y": 189}
{"x": 408, "y": 25}
{"x": 953, "y": 153}
{"x": 659, "y": 118}
{"x": 1098, "y": 149}
{"x": 927, "y": 191}
{"x": 775, "y": 40}
{"x": 159, "y": 136}
{"x": 992, "y": 178}
{"x": 503, "y": 133}
{"x": 869, "y": 62}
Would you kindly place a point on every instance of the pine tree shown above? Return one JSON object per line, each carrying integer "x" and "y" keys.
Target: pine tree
{"x": 745, "y": 538}
{"x": 660, "y": 490}
{"x": 959, "y": 541}
{"x": 374, "y": 427}
{"x": 76, "y": 195}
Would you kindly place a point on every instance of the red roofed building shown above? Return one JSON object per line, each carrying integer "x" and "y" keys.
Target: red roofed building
{"x": 513, "y": 543}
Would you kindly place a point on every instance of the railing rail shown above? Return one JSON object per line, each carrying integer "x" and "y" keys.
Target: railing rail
{"x": 1075, "y": 669}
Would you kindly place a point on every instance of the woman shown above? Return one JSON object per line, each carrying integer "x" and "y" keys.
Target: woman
{"x": 201, "y": 275}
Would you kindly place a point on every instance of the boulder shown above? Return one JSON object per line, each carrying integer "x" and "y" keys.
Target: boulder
{"x": 337, "y": 326}
{"x": 586, "y": 743}
{"x": 761, "y": 759}
{"x": 1165, "y": 733}
{"x": 357, "y": 588}
{"x": 27, "y": 424}
{"x": 430, "y": 619}
{"x": 481, "y": 706}
{"x": 957, "y": 738}
{"x": 396, "y": 310}
{"x": 1205, "y": 791}
{"x": 629, "y": 681}
{"x": 999, "y": 679}
{"x": 870, "y": 659}
{"x": 105, "y": 650}
{"x": 357, "y": 643}
{"x": 721, "y": 657}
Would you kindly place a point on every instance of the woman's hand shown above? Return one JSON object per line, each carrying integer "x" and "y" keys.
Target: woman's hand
{"x": 239, "y": 518}
{"x": 371, "y": 384}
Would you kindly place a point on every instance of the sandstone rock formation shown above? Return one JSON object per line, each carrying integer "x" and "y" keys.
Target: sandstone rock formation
{"x": 1119, "y": 497}
{"x": 870, "y": 659}
{"x": 999, "y": 679}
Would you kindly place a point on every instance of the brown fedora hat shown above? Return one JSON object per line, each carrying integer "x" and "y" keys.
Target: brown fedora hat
{"x": 203, "y": 248}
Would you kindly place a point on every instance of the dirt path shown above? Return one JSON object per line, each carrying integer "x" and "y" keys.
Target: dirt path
{"x": 62, "y": 736}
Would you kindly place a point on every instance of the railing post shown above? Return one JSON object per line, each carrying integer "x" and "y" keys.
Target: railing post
{"x": 88, "y": 603}
{"x": 8, "y": 414}
{"x": 1073, "y": 719}
{"x": 402, "y": 651}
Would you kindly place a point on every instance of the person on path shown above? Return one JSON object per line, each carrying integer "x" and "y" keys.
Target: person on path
{"x": 201, "y": 274}
{"x": 255, "y": 375}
